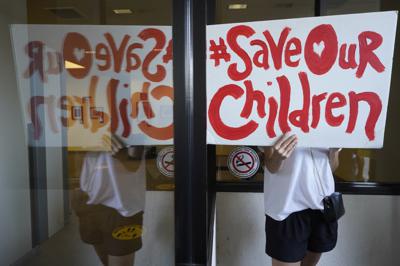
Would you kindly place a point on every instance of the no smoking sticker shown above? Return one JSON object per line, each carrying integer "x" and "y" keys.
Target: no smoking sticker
{"x": 165, "y": 161}
{"x": 243, "y": 162}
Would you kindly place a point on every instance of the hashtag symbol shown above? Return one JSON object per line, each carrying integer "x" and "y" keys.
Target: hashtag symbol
{"x": 218, "y": 52}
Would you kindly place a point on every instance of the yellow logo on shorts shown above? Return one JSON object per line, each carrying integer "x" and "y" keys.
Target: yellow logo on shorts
{"x": 127, "y": 232}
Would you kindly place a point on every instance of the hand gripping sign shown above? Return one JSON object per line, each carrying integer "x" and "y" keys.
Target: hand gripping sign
{"x": 326, "y": 79}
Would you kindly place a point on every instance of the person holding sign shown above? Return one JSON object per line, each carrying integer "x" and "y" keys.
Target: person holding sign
{"x": 296, "y": 181}
{"x": 110, "y": 201}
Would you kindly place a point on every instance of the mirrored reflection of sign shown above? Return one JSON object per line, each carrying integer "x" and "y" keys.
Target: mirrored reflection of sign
{"x": 326, "y": 79}
{"x": 76, "y": 113}
{"x": 243, "y": 162}
{"x": 89, "y": 81}
{"x": 97, "y": 113}
{"x": 165, "y": 161}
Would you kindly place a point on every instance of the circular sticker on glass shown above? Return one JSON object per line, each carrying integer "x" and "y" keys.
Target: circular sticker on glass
{"x": 165, "y": 161}
{"x": 243, "y": 162}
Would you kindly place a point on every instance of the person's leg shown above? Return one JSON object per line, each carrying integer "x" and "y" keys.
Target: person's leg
{"x": 127, "y": 260}
{"x": 281, "y": 263}
{"x": 101, "y": 253}
{"x": 286, "y": 240}
{"x": 323, "y": 238}
{"x": 311, "y": 259}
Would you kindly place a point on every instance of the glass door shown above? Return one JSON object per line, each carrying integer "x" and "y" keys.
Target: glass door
{"x": 87, "y": 160}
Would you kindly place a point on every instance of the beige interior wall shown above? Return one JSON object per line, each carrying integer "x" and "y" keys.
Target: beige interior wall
{"x": 15, "y": 222}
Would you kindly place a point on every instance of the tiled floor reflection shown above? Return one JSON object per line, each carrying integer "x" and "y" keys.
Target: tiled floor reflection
{"x": 65, "y": 248}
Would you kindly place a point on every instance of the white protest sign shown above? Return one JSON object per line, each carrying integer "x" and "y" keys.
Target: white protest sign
{"x": 89, "y": 81}
{"x": 325, "y": 79}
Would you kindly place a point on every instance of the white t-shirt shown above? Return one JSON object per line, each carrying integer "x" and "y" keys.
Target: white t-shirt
{"x": 303, "y": 181}
{"x": 107, "y": 181}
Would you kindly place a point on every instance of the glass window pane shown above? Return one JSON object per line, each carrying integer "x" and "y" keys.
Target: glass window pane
{"x": 87, "y": 150}
{"x": 372, "y": 165}
{"x": 262, "y": 10}
{"x": 338, "y": 7}
{"x": 253, "y": 11}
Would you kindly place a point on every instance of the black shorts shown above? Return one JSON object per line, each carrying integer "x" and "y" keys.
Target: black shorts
{"x": 104, "y": 227}
{"x": 289, "y": 240}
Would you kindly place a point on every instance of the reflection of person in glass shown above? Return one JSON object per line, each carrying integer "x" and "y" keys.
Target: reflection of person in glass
{"x": 296, "y": 181}
{"x": 111, "y": 201}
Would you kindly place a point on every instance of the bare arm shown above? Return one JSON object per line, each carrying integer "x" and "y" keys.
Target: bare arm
{"x": 275, "y": 155}
{"x": 334, "y": 158}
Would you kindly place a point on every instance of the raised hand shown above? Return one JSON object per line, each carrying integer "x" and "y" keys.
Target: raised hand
{"x": 280, "y": 151}
{"x": 114, "y": 142}
{"x": 284, "y": 147}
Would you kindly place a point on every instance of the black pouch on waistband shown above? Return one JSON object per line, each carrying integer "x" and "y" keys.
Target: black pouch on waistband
{"x": 333, "y": 207}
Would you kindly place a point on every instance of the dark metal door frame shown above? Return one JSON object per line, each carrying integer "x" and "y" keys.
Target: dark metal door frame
{"x": 194, "y": 161}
